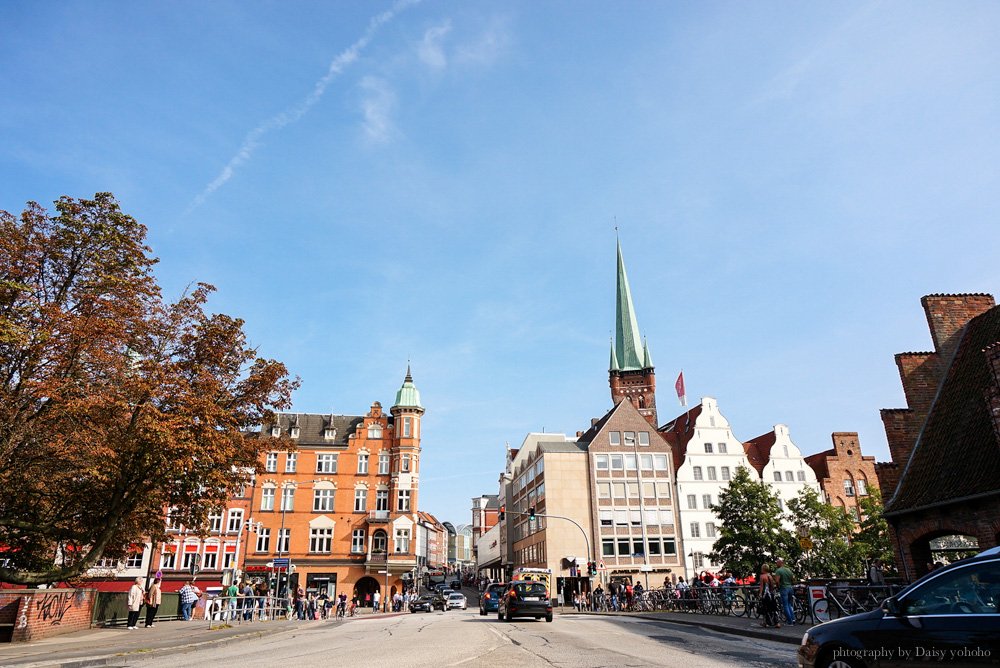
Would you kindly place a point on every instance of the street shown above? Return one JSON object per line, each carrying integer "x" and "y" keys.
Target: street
{"x": 464, "y": 638}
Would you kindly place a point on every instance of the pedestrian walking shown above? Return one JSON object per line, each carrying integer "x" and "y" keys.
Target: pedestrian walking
{"x": 135, "y": 596}
{"x": 375, "y": 598}
{"x": 768, "y": 598}
{"x": 248, "y": 601}
{"x": 232, "y": 595}
{"x": 189, "y": 595}
{"x": 153, "y": 599}
{"x": 785, "y": 589}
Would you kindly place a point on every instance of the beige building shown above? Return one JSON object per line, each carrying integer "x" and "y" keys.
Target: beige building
{"x": 550, "y": 474}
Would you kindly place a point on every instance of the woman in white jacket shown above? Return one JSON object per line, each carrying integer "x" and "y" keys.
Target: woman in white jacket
{"x": 135, "y": 595}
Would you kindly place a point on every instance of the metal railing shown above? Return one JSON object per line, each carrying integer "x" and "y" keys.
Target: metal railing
{"x": 228, "y": 610}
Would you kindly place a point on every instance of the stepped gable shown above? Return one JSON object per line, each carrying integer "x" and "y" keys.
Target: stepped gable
{"x": 957, "y": 454}
{"x": 679, "y": 432}
{"x": 759, "y": 450}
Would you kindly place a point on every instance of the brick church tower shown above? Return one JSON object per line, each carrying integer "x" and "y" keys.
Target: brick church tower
{"x": 630, "y": 374}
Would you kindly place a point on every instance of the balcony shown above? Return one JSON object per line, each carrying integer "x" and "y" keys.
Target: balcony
{"x": 377, "y": 516}
{"x": 376, "y": 558}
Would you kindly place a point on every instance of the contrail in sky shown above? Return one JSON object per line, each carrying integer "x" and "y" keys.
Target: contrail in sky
{"x": 293, "y": 114}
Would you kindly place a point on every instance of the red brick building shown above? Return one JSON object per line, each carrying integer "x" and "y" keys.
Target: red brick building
{"x": 844, "y": 474}
{"x": 945, "y": 445}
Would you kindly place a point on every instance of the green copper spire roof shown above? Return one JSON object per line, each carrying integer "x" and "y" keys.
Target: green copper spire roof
{"x": 614, "y": 359}
{"x": 408, "y": 396}
{"x": 647, "y": 361}
{"x": 628, "y": 346}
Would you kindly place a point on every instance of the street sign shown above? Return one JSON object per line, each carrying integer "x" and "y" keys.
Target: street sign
{"x": 283, "y": 562}
{"x": 806, "y": 543}
{"x": 602, "y": 567}
{"x": 645, "y": 569}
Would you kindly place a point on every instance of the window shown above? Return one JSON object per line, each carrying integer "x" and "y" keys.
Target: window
{"x": 862, "y": 486}
{"x": 666, "y": 518}
{"x": 235, "y": 522}
{"x": 619, "y": 488}
{"x": 210, "y": 561}
{"x": 630, "y": 438}
{"x": 263, "y": 540}
{"x": 284, "y": 538}
{"x": 781, "y": 504}
{"x": 615, "y": 438}
{"x": 215, "y": 522}
{"x": 133, "y": 560}
{"x": 326, "y": 463}
{"x": 695, "y": 530}
{"x": 643, "y": 438}
{"x": 698, "y": 560}
{"x": 663, "y": 490}
{"x": 363, "y": 463}
{"x": 320, "y": 540}
{"x": 848, "y": 487}
{"x": 646, "y": 462}
{"x": 621, "y": 517}
{"x": 288, "y": 498}
{"x": 725, "y": 472}
{"x": 697, "y": 472}
{"x": 624, "y": 547}
{"x": 617, "y": 463}
{"x": 692, "y": 501}
{"x": 383, "y": 463}
{"x": 173, "y": 522}
{"x": 637, "y": 548}
{"x": 669, "y": 546}
{"x": 323, "y": 500}
{"x": 604, "y": 490}
{"x": 360, "y": 500}
{"x": 541, "y": 491}
{"x": 291, "y": 462}
{"x": 379, "y": 541}
{"x": 777, "y": 476}
{"x": 267, "y": 498}
{"x": 607, "y": 518}
{"x": 374, "y": 431}
{"x": 723, "y": 449}
{"x": 382, "y": 500}
{"x": 630, "y": 462}
{"x": 706, "y": 501}
{"x": 660, "y": 462}
{"x": 168, "y": 561}
{"x": 407, "y": 426}
{"x": 650, "y": 517}
{"x": 358, "y": 541}
{"x": 801, "y": 475}
{"x": 405, "y": 464}
{"x": 403, "y": 500}
{"x": 789, "y": 477}
{"x": 784, "y": 450}
{"x": 294, "y": 431}
{"x": 711, "y": 473}
{"x": 601, "y": 462}
{"x": 633, "y": 490}
{"x": 189, "y": 559}
{"x": 608, "y": 548}
{"x": 402, "y": 540}
{"x": 648, "y": 490}
{"x": 654, "y": 546}
{"x": 271, "y": 462}
{"x": 963, "y": 591}
{"x": 710, "y": 530}
{"x": 708, "y": 448}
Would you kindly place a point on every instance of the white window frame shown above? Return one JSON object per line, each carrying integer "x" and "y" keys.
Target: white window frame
{"x": 267, "y": 495}
{"x": 326, "y": 462}
{"x": 383, "y": 463}
{"x": 360, "y": 500}
{"x": 234, "y": 520}
{"x": 362, "y": 463}
{"x": 323, "y": 500}
{"x": 291, "y": 462}
{"x": 271, "y": 462}
{"x": 320, "y": 540}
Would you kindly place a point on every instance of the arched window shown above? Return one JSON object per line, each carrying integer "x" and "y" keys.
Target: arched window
{"x": 379, "y": 541}
{"x": 374, "y": 431}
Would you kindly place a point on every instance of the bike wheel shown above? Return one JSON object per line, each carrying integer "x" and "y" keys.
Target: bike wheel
{"x": 824, "y": 610}
{"x": 801, "y": 611}
{"x": 739, "y": 605}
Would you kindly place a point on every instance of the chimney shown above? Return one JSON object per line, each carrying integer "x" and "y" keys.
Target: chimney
{"x": 948, "y": 314}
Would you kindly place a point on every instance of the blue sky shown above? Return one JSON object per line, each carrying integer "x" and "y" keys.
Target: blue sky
{"x": 440, "y": 181}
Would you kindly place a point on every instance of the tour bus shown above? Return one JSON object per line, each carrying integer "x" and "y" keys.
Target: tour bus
{"x": 543, "y": 575}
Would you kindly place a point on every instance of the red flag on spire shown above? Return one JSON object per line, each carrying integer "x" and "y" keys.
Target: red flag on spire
{"x": 679, "y": 386}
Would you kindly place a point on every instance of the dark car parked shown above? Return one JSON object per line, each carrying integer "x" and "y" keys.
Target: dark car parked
{"x": 951, "y": 616}
{"x": 525, "y": 599}
{"x": 490, "y": 599}
{"x": 427, "y": 603}
{"x": 456, "y": 584}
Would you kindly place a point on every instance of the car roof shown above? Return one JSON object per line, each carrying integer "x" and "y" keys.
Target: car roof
{"x": 991, "y": 552}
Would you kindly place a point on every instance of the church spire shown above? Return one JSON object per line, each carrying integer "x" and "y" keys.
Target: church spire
{"x": 629, "y": 349}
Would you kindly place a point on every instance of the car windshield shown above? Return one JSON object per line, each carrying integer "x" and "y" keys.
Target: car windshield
{"x": 456, "y": 596}
{"x": 531, "y": 589}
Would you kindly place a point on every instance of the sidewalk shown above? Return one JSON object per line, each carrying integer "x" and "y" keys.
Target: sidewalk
{"x": 113, "y": 646}
{"x": 740, "y": 626}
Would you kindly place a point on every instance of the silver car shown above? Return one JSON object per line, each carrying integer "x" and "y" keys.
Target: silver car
{"x": 456, "y": 600}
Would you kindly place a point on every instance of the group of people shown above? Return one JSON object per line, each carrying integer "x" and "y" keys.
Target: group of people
{"x": 138, "y": 597}
{"x": 776, "y": 591}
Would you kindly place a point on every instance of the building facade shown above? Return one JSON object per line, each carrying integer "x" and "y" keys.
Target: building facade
{"x": 845, "y": 475}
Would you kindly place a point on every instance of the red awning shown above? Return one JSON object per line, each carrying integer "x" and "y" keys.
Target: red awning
{"x": 211, "y": 548}
{"x": 170, "y": 549}
{"x": 190, "y": 548}
{"x": 230, "y": 547}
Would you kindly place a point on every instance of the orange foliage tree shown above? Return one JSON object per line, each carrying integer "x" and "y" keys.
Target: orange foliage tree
{"x": 114, "y": 404}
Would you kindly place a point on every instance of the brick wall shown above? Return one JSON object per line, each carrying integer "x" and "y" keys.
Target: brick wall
{"x": 979, "y": 518}
{"x": 846, "y": 463}
{"x": 948, "y": 314}
{"x": 920, "y": 374}
{"x": 41, "y": 613}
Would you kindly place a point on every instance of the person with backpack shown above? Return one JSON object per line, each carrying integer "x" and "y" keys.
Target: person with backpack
{"x": 766, "y": 589}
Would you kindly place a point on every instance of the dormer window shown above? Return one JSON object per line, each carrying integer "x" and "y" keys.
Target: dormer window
{"x": 275, "y": 430}
{"x": 374, "y": 431}
{"x": 329, "y": 434}
{"x": 294, "y": 432}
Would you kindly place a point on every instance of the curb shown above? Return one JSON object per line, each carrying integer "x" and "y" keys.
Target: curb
{"x": 722, "y": 628}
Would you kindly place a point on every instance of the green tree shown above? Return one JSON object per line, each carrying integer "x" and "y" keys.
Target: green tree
{"x": 830, "y": 530}
{"x": 114, "y": 405}
{"x": 751, "y": 532}
{"x": 873, "y": 539}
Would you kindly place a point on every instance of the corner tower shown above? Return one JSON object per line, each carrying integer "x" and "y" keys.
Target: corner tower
{"x": 406, "y": 412}
{"x": 630, "y": 372}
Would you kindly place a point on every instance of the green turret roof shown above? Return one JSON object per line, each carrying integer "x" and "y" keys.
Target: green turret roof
{"x": 628, "y": 345}
{"x": 614, "y": 359}
{"x": 408, "y": 396}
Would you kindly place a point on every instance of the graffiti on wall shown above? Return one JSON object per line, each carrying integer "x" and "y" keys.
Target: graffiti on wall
{"x": 52, "y": 607}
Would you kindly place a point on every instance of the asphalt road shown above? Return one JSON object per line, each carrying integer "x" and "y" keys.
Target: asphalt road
{"x": 463, "y": 638}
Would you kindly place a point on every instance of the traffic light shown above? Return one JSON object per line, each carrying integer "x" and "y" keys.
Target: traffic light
{"x": 503, "y": 509}
{"x": 531, "y": 513}
{"x": 593, "y": 567}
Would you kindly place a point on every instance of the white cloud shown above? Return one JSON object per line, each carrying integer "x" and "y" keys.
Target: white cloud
{"x": 485, "y": 49}
{"x": 296, "y": 112}
{"x": 377, "y": 105}
{"x": 430, "y": 49}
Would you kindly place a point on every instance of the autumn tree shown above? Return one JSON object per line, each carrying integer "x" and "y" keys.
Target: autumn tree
{"x": 831, "y": 530}
{"x": 751, "y": 532}
{"x": 114, "y": 404}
